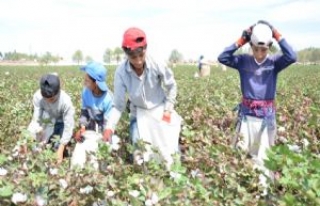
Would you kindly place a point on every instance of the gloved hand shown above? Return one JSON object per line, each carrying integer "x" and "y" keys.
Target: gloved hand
{"x": 245, "y": 36}
{"x": 166, "y": 116}
{"x": 107, "y": 134}
{"x": 275, "y": 34}
{"x": 78, "y": 136}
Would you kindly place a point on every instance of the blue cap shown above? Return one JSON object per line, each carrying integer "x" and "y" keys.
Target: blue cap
{"x": 98, "y": 72}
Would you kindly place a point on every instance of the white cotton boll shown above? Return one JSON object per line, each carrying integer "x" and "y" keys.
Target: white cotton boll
{"x": 306, "y": 143}
{"x": 115, "y": 143}
{"x": 281, "y": 129}
{"x": 18, "y": 198}
{"x": 110, "y": 193}
{"x": 282, "y": 139}
{"x": 53, "y": 171}
{"x": 134, "y": 193}
{"x": 138, "y": 157}
{"x": 86, "y": 190}
{"x": 21, "y": 172}
{"x": 294, "y": 148}
{"x": 154, "y": 198}
{"x": 40, "y": 201}
{"x": 115, "y": 147}
{"x": 63, "y": 183}
{"x": 25, "y": 166}
{"x": 15, "y": 154}
{"x": 16, "y": 148}
{"x": 3, "y": 171}
{"x": 195, "y": 173}
{"x": 140, "y": 161}
{"x": 7, "y": 73}
{"x": 175, "y": 175}
{"x": 148, "y": 202}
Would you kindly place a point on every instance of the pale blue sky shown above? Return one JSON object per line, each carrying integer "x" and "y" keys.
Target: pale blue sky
{"x": 193, "y": 27}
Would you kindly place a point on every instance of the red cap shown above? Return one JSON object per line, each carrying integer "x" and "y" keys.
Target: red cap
{"x": 134, "y": 38}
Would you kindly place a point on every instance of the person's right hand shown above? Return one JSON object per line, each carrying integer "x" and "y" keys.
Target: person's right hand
{"x": 107, "y": 135}
{"x": 79, "y": 133}
{"x": 245, "y": 36}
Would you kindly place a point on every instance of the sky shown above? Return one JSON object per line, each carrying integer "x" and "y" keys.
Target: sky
{"x": 193, "y": 27}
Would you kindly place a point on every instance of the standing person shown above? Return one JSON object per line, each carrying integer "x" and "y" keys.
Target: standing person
{"x": 96, "y": 100}
{"x": 258, "y": 79}
{"x": 203, "y": 66}
{"x": 152, "y": 91}
{"x": 53, "y": 114}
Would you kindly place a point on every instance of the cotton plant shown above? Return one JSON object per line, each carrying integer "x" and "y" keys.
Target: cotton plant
{"x": 153, "y": 200}
{"x": 19, "y": 198}
{"x": 3, "y": 171}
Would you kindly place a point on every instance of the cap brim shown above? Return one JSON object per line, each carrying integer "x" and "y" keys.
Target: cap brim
{"x": 83, "y": 68}
{"x": 102, "y": 86}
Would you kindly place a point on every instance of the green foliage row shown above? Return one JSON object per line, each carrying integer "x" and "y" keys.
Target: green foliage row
{"x": 210, "y": 172}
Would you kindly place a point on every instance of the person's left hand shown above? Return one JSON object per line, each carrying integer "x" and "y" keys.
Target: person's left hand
{"x": 166, "y": 116}
{"x": 107, "y": 135}
{"x": 60, "y": 153}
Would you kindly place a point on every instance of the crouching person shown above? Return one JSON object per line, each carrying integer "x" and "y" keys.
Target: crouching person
{"x": 96, "y": 105}
{"x": 53, "y": 115}
{"x": 151, "y": 89}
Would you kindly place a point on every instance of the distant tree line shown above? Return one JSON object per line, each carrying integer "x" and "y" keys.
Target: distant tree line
{"x": 109, "y": 56}
{"x": 309, "y": 55}
{"x": 18, "y": 56}
{"x": 116, "y": 55}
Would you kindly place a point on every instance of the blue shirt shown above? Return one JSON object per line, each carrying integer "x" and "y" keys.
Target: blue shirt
{"x": 258, "y": 81}
{"x": 97, "y": 108}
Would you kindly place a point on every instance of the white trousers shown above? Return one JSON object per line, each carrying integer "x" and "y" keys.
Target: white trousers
{"x": 256, "y": 136}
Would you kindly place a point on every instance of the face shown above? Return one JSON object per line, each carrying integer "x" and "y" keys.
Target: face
{"x": 137, "y": 59}
{"x": 51, "y": 99}
{"x": 89, "y": 83}
{"x": 259, "y": 53}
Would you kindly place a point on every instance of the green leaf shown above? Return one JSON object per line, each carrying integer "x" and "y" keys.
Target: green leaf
{"x": 3, "y": 159}
{"x": 6, "y": 191}
{"x": 165, "y": 193}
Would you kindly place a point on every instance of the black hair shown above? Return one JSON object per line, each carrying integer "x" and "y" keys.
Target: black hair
{"x": 130, "y": 52}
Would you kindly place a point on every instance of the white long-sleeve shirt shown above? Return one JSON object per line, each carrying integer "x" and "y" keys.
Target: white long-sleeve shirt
{"x": 61, "y": 110}
{"x": 155, "y": 86}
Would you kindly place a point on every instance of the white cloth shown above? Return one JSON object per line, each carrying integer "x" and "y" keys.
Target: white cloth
{"x": 158, "y": 133}
{"x": 87, "y": 149}
{"x": 42, "y": 132}
{"x": 256, "y": 137}
{"x": 256, "y": 140}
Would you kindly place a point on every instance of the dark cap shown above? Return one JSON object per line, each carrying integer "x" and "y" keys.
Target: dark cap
{"x": 49, "y": 85}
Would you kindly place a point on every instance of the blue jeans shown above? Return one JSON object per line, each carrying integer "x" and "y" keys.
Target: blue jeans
{"x": 57, "y": 131}
{"x": 134, "y": 132}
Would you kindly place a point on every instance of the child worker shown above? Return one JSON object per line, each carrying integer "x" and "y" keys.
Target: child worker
{"x": 95, "y": 110}
{"x": 53, "y": 115}
{"x": 152, "y": 91}
{"x": 258, "y": 79}
{"x": 96, "y": 100}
